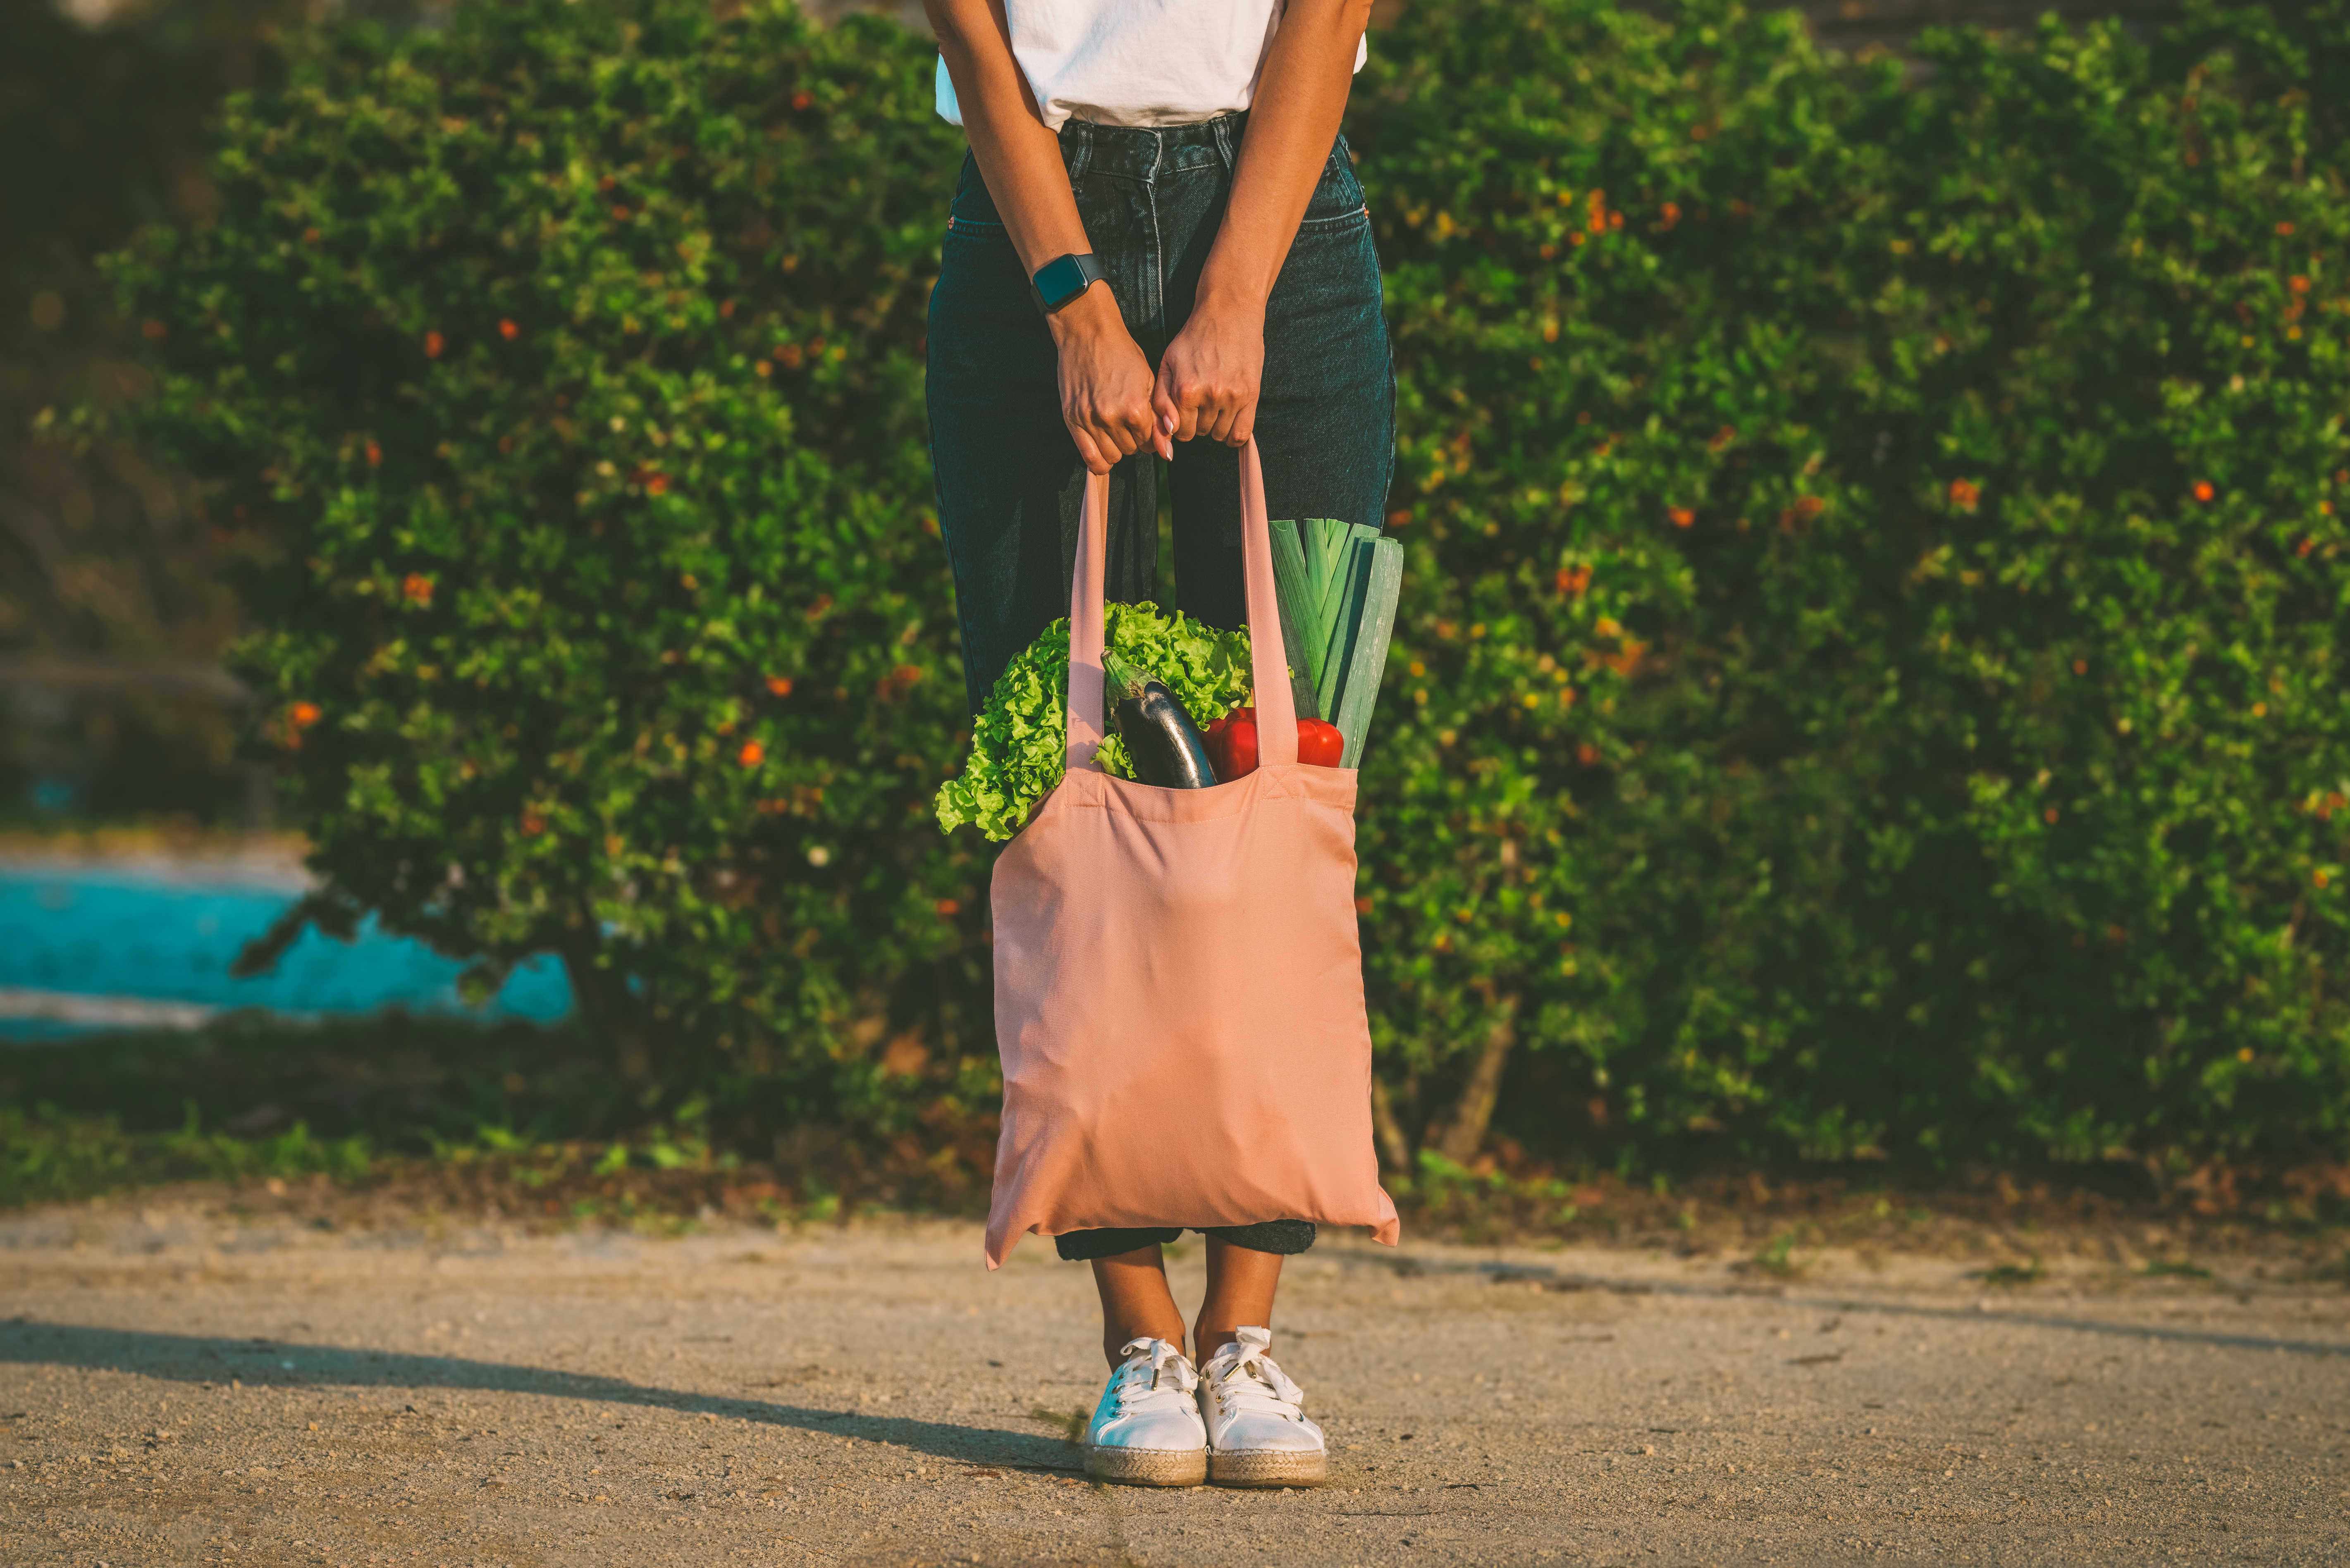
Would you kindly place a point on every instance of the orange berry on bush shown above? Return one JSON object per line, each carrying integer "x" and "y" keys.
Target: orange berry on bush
{"x": 2203, "y": 491}
{"x": 752, "y": 754}
{"x": 433, "y": 344}
{"x": 417, "y": 588}
{"x": 508, "y": 331}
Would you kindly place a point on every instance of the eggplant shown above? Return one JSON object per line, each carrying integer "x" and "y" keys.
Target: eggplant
{"x": 1159, "y": 736}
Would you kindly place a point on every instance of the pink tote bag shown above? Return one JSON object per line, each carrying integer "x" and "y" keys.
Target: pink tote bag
{"x": 1178, "y": 979}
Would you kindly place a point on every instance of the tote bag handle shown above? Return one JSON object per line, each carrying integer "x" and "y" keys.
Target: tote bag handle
{"x": 1277, "y": 713}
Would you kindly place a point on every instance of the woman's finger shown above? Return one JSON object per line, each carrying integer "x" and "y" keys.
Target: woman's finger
{"x": 1088, "y": 450}
{"x": 1186, "y": 404}
{"x": 1086, "y": 420}
{"x": 1167, "y": 413}
{"x": 1118, "y": 432}
{"x": 1142, "y": 422}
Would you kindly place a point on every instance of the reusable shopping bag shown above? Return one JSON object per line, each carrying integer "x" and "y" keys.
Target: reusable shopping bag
{"x": 1178, "y": 979}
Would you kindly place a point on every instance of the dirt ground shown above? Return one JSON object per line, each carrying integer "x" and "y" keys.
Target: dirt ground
{"x": 182, "y": 1386}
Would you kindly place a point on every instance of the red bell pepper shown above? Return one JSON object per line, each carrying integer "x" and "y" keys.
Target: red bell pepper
{"x": 1320, "y": 742}
{"x": 1233, "y": 744}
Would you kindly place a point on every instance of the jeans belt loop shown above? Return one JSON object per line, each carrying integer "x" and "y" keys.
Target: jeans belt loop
{"x": 1078, "y": 148}
{"x": 1223, "y": 124}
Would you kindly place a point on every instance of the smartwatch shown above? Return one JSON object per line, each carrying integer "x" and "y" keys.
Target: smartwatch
{"x": 1058, "y": 282}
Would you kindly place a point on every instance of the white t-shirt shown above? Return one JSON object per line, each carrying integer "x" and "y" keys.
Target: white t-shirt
{"x": 1137, "y": 62}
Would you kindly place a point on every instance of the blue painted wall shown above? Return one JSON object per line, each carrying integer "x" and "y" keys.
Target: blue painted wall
{"x": 145, "y": 934}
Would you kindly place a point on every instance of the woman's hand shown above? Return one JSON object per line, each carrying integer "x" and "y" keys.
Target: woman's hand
{"x": 1104, "y": 382}
{"x": 1209, "y": 376}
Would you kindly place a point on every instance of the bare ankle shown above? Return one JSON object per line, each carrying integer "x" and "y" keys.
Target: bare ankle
{"x": 1135, "y": 1302}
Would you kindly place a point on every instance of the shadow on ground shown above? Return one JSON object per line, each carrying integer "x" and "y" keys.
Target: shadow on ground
{"x": 2004, "y": 1310}
{"x": 268, "y": 1362}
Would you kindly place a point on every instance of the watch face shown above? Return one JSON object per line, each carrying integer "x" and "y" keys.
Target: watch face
{"x": 1059, "y": 281}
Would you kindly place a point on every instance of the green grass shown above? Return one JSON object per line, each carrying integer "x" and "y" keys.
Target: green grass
{"x": 1777, "y": 1257}
{"x": 45, "y": 1156}
{"x": 250, "y": 1100}
{"x": 448, "y": 1116}
{"x": 2030, "y": 1273}
{"x": 456, "y": 1115}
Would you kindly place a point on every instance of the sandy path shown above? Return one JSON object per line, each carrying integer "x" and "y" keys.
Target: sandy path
{"x": 183, "y": 1389}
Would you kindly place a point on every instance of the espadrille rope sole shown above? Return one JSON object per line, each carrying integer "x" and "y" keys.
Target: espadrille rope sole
{"x": 1147, "y": 1467}
{"x": 1269, "y": 1467}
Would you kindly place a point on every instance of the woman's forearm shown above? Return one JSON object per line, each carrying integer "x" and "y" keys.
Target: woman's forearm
{"x": 1104, "y": 380}
{"x": 1301, "y": 97}
{"x": 1020, "y": 159}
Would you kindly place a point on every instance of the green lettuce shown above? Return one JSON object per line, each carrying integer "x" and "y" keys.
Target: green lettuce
{"x": 1019, "y": 746}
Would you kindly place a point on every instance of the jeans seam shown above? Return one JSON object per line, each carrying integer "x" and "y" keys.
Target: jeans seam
{"x": 1359, "y": 215}
{"x": 1156, "y": 316}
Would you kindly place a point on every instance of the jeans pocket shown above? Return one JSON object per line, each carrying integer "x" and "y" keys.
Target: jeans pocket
{"x": 973, "y": 210}
{"x": 1337, "y": 195}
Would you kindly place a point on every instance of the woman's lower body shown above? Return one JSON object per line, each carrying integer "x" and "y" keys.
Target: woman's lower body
{"x": 1011, "y": 487}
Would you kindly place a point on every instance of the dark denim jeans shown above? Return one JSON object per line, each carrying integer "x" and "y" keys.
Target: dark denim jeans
{"x": 1009, "y": 479}
{"x": 1285, "y": 1237}
{"x": 1009, "y": 483}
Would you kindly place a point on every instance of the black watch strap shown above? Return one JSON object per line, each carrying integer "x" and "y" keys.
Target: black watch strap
{"x": 1060, "y": 281}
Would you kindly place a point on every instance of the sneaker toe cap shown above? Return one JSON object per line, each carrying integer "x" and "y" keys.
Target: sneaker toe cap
{"x": 1176, "y": 1430}
{"x": 1272, "y": 1435}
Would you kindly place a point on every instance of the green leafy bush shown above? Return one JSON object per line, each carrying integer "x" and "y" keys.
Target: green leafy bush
{"x": 1867, "y": 680}
{"x": 1933, "y": 492}
{"x": 572, "y": 356}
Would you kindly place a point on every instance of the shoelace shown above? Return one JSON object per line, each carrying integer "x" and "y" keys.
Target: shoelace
{"x": 1168, "y": 1370}
{"x": 1249, "y": 1380}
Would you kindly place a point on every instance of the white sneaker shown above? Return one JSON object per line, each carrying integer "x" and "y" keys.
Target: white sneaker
{"x": 1257, "y": 1433}
{"x": 1147, "y": 1430}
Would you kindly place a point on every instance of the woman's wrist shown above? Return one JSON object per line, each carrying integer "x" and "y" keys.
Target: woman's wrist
{"x": 1091, "y": 314}
{"x": 1221, "y": 295}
